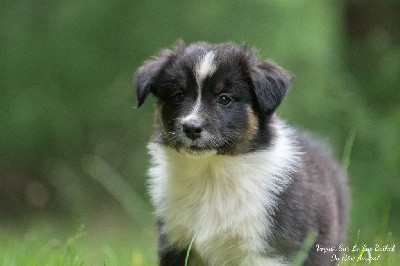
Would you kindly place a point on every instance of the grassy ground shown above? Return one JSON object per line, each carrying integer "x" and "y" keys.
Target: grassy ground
{"x": 42, "y": 246}
{"x": 380, "y": 250}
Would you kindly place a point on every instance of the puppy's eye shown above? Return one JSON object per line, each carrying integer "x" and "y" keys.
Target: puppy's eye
{"x": 225, "y": 99}
{"x": 178, "y": 97}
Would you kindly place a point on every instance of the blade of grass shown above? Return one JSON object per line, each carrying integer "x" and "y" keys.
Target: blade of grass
{"x": 347, "y": 149}
{"x": 118, "y": 187}
{"x": 307, "y": 245}
{"x": 356, "y": 242}
{"x": 188, "y": 251}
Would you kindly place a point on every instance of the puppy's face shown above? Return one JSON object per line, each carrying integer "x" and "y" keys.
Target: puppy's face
{"x": 212, "y": 99}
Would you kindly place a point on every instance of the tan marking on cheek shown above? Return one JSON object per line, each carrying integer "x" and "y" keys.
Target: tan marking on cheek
{"x": 250, "y": 132}
{"x": 219, "y": 87}
{"x": 252, "y": 124}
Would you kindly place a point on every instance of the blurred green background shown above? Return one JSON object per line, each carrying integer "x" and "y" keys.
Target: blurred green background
{"x": 73, "y": 148}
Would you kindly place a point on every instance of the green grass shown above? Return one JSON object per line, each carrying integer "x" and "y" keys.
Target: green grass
{"x": 188, "y": 251}
{"x": 347, "y": 149}
{"x": 307, "y": 246}
{"x": 365, "y": 252}
{"x": 358, "y": 252}
{"x": 41, "y": 246}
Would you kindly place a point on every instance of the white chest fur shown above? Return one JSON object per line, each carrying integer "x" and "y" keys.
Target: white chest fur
{"x": 224, "y": 202}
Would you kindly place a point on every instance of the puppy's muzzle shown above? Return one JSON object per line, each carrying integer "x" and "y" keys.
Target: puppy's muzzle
{"x": 192, "y": 129}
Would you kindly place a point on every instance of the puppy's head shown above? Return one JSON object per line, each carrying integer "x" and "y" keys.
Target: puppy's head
{"x": 212, "y": 99}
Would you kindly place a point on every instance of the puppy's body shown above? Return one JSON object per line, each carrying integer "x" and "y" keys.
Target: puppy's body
{"x": 226, "y": 173}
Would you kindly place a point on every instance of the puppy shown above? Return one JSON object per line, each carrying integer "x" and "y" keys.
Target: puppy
{"x": 227, "y": 175}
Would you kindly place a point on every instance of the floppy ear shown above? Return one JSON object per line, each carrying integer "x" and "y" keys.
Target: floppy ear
{"x": 271, "y": 84}
{"x": 147, "y": 74}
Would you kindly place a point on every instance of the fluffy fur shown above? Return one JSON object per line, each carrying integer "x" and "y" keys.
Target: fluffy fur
{"x": 226, "y": 172}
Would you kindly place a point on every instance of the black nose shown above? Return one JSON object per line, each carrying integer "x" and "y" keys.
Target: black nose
{"x": 192, "y": 130}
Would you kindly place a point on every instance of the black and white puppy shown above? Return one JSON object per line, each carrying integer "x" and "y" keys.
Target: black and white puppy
{"x": 226, "y": 173}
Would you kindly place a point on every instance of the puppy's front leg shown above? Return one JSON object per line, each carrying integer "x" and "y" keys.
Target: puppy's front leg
{"x": 172, "y": 258}
{"x": 169, "y": 256}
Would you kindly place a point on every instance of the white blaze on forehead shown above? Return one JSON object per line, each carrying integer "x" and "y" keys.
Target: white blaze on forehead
{"x": 206, "y": 66}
